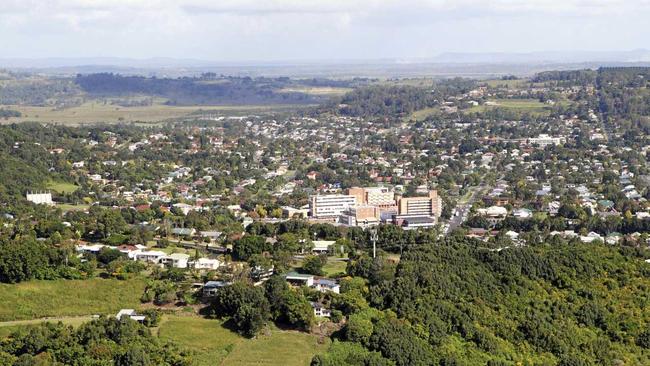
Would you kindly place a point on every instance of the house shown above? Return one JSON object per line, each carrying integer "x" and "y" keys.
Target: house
{"x": 176, "y": 260}
{"x": 591, "y": 237}
{"x": 212, "y": 287}
{"x": 152, "y": 256}
{"x": 130, "y": 313}
{"x": 320, "y": 310}
{"x": 298, "y": 279}
{"x": 322, "y": 246}
{"x": 259, "y": 273}
{"x": 522, "y": 213}
{"x": 205, "y": 263}
{"x": 212, "y": 235}
{"x": 326, "y": 284}
{"x": 181, "y": 231}
{"x": 493, "y": 214}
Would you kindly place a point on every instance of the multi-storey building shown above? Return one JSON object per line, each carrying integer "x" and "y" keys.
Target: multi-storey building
{"x": 331, "y": 205}
{"x": 430, "y": 205}
{"x": 373, "y": 196}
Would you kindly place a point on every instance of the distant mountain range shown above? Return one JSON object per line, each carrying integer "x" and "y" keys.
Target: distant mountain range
{"x": 443, "y": 65}
{"x": 640, "y": 55}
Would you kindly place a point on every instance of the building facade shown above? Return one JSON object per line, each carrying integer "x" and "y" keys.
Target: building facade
{"x": 323, "y": 206}
{"x": 430, "y": 205}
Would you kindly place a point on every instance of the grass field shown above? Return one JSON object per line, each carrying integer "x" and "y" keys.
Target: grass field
{"x": 69, "y": 207}
{"x": 62, "y": 187}
{"x": 507, "y": 83}
{"x": 316, "y": 90}
{"x": 216, "y": 345}
{"x": 520, "y": 105}
{"x": 40, "y": 299}
{"x": 98, "y": 112}
{"x": 333, "y": 267}
{"x": 7, "y": 328}
{"x": 422, "y": 114}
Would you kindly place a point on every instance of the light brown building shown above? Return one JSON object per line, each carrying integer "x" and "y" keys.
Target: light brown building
{"x": 430, "y": 205}
{"x": 364, "y": 215}
{"x": 374, "y": 196}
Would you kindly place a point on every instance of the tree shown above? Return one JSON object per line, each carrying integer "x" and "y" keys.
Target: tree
{"x": 296, "y": 310}
{"x": 245, "y": 247}
{"x": 245, "y": 304}
{"x": 313, "y": 264}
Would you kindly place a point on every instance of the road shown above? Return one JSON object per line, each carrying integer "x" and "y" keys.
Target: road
{"x": 461, "y": 211}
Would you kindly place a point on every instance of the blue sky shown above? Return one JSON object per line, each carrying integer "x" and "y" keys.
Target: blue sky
{"x": 237, "y": 30}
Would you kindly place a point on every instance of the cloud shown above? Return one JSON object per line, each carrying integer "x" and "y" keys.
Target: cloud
{"x": 280, "y": 29}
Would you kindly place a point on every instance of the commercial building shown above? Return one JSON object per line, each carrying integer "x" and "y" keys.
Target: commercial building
{"x": 361, "y": 216}
{"x": 373, "y": 196}
{"x": 418, "y": 212}
{"x": 430, "y": 205}
{"x": 40, "y": 198}
{"x": 333, "y": 205}
{"x": 544, "y": 140}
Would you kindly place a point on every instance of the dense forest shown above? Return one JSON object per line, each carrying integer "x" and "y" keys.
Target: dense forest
{"x": 391, "y": 101}
{"x": 6, "y": 113}
{"x": 205, "y": 90}
{"x": 457, "y": 303}
{"x": 570, "y": 77}
{"x": 624, "y": 94}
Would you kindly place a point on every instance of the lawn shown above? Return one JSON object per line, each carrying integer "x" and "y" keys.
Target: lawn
{"x": 62, "y": 187}
{"x": 216, "y": 345}
{"x": 208, "y": 338}
{"x": 40, "y": 299}
{"x": 333, "y": 267}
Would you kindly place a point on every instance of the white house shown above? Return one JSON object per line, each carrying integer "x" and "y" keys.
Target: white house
{"x": 176, "y": 260}
{"x": 591, "y": 237}
{"x": 322, "y": 246}
{"x": 320, "y": 310}
{"x": 325, "y": 285}
{"x": 152, "y": 256}
{"x": 299, "y": 279}
{"x": 130, "y": 313}
{"x": 206, "y": 263}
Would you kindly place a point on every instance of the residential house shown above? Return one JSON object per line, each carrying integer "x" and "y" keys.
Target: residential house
{"x": 176, "y": 260}
{"x": 320, "y": 310}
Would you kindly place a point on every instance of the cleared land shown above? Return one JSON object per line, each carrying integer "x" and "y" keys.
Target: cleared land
{"x": 422, "y": 114}
{"x": 62, "y": 187}
{"x": 333, "y": 267}
{"x": 316, "y": 90}
{"x": 216, "y": 345}
{"x": 69, "y": 207}
{"x": 520, "y": 105}
{"x": 99, "y": 112}
{"x": 507, "y": 83}
{"x": 41, "y": 299}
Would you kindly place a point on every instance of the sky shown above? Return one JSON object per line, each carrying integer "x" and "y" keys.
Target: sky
{"x": 276, "y": 30}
